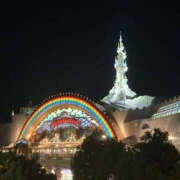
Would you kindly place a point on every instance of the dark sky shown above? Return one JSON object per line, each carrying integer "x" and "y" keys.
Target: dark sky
{"x": 72, "y": 47}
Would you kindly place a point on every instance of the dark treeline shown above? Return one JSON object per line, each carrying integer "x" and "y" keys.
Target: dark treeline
{"x": 153, "y": 158}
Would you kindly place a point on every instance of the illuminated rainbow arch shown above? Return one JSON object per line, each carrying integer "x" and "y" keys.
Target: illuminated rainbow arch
{"x": 72, "y": 101}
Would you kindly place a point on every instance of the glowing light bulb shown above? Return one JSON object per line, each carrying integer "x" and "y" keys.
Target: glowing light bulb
{"x": 103, "y": 136}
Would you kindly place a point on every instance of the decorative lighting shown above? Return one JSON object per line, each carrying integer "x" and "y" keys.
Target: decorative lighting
{"x": 53, "y": 171}
{"x": 103, "y": 136}
{"x": 66, "y": 174}
{"x": 171, "y": 138}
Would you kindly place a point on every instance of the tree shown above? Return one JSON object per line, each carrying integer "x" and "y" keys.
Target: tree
{"x": 156, "y": 157}
{"x": 13, "y": 167}
{"x": 96, "y": 158}
{"x": 153, "y": 158}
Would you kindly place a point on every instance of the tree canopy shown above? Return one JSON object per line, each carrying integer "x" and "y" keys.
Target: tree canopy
{"x": 153, "y": 158}
{"x": 13, "y": 167}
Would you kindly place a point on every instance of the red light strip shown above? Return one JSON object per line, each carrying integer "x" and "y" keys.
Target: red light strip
{"x": 64, "y": 120}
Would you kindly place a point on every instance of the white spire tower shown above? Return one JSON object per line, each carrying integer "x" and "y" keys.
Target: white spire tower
{"x": 120, "y": 91}
{"x": 121, "y": 96}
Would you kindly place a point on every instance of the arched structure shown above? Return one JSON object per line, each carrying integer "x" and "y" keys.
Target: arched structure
{"x": 62, "y": 104}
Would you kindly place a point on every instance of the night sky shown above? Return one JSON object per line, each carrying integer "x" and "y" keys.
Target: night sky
{"x": 45, "y": 51}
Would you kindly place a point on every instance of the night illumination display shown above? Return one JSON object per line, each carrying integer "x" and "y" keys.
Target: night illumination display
{"x": 80, "y": 103}
{"x": 66, "y": 174}
{"x": 64, "y": 120}
{"x": 66, "y": 127}
{"x": 69, "y": 113}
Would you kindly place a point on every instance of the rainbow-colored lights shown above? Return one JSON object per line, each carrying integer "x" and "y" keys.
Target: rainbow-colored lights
{"x": 86, "y": 106}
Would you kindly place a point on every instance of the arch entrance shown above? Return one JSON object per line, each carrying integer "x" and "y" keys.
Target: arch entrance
{"x": 57, "y": 127}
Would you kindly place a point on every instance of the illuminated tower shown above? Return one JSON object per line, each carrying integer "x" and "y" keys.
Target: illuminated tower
{"x": 120, "y": 91}
{"x": 121, "y": 96}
